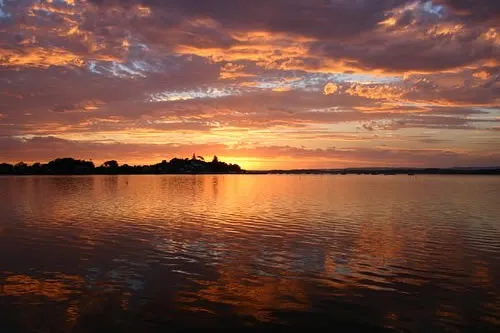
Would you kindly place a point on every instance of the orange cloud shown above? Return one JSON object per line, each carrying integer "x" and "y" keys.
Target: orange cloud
{"x": 39, "y": 57}
{"x": 483, "y": 75}
{"x": 233, "y": 71}
{"x": 376, "y": 91}
{"x": 330, "y": 88}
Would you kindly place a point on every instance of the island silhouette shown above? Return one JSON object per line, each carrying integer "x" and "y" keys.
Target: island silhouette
{"x": 72, "y": 166}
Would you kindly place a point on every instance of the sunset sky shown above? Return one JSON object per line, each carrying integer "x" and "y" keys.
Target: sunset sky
{"x": 263, "y": 83}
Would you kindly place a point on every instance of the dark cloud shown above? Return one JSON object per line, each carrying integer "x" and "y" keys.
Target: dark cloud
{"x": 483, "y": 93}
{"x": 369, "y": 127}
{"x": 315, "y": 18}
{"x": 432, "y": 141}
{"x": 402, "y": 53}
{"x": 480, "y": 10}
{"x": 456, "y": 111}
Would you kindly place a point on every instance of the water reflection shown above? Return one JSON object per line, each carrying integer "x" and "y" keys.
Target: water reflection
{"x": 128, "y": 253}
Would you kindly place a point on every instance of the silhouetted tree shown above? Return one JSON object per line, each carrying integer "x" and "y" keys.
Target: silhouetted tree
{"x": 70, "y": 166}
{"x": 215, "y": 159}
{"x": 234, "y": 168}
{"x": 111, "y": 164}
{"x": 36, "y": 168}
{"x": 6, "y": 168}
{"x": 21, "y": 168}
{"x": 21, "y": 165}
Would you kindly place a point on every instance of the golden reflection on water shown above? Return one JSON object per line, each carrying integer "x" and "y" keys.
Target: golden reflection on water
{"x": 256, "y": 298}
{"x": 258, "y": 245}
{"x": 59, "y": 288}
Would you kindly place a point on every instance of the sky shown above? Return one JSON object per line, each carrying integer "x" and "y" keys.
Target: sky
{"x": 262, "y": 83}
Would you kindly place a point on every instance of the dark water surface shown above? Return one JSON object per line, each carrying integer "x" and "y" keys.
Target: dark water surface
{"x": 152, "y": 253}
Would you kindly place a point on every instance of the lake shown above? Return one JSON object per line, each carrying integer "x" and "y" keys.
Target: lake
{"x": 153, "y": 253}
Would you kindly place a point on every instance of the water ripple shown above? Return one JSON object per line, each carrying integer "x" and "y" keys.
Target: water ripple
{"x": 402, "y": 254}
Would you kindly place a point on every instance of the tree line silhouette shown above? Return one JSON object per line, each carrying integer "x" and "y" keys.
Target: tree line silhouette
{"x": 71, "y": 166}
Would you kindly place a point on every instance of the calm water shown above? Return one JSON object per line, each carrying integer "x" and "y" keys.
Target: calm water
{"x": 151, "y": 253}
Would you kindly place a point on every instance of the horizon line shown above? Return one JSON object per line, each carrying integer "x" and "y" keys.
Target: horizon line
{"x": 327, "y": 169}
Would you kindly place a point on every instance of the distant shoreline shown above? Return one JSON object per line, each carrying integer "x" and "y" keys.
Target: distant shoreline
{"x": 443, "y": 172}
{"x": 196, "y": 165}
{"x": 384, "y": 171}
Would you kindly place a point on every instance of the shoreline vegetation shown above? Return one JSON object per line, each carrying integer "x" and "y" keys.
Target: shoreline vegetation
{"x": 198, "y": 165}
{"x": 71, "y": 166}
